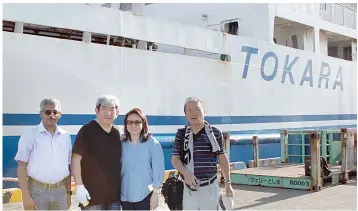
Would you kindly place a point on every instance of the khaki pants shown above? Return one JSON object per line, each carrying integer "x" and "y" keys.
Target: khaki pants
{"x": 205, "y": 198}
{"x": 49, "y": 199}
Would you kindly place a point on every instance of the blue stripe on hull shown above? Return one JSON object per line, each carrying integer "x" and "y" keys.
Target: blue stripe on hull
{"x": 239, "y": 152}
{"x": 265, "y": 131}
{"x": 80, "y": 119}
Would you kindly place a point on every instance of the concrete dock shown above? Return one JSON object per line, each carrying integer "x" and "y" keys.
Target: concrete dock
{"x": 340, "y": 197}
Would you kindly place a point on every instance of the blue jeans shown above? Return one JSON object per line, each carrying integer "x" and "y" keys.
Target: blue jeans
{"x": 110, "y": 206}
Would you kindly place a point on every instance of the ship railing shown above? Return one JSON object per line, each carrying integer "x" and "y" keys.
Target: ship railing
{"x": 338, "y": 14}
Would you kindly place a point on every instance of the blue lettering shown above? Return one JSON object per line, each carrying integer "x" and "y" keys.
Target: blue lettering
{"x": 324, "y": 76}
{"x": 309, "y": 77}
{"x": 249, "y": 51}
{"x": 288, "y": 72}
{"x": 287, "y": 69}
{"x": 266, "y": 56}
{"x": 339, "y": 75}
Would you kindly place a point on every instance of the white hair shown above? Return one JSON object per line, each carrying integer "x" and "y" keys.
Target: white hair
{"x": 106, "y": 100}
{"x": 50, "y": 101}
{"x": 193, "y": 99}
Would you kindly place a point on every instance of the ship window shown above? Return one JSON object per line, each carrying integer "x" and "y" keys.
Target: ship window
{"x": 8, "y": 26}
{"x": 232, "y": 28}
{"x": 333, "y": 51}
{"x": 347, "y": 53}
{"x": 99, "y": 38}
{"x": 54, "y": 32}
{"x": 294, "y": 41}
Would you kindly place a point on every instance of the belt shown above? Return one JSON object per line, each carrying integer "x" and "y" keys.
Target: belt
{"x": 47, "y": 186}
{"x": 208, "y": 182}
{"x": 201, "y": 184}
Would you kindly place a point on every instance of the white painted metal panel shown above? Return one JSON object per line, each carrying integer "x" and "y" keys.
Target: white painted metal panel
{"x": 77, "y": 73}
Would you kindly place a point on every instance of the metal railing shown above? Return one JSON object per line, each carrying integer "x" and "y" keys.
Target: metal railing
{"x": 339, "y": 14}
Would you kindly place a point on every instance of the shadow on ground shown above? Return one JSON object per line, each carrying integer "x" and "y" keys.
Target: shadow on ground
{"x": 279, "y": 194}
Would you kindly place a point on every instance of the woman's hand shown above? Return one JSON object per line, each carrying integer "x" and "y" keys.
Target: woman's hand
{"x": 154, "y": 200}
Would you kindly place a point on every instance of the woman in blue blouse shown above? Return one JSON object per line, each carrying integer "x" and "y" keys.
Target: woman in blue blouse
{"x": 142, "y": 164}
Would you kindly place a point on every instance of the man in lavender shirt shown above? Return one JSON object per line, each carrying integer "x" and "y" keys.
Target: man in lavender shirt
{"x": 44, "y": 156}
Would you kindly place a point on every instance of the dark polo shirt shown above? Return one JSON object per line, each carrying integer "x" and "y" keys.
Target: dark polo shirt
{"x": 101, "y": 162}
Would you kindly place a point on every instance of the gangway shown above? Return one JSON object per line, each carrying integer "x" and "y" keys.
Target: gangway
{"x": 298, "y": 147}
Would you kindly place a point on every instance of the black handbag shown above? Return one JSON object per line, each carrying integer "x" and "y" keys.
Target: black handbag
{"x": 173, "y": 187}
{"x": 172, "y": 191}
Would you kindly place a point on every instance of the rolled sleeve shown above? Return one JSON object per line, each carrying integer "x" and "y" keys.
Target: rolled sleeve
{"x": 157, "y": 163}
{"x": 25, "y": 146}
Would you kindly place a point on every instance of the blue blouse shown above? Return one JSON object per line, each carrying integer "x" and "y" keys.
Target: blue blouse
{"x": 142, "y": 168}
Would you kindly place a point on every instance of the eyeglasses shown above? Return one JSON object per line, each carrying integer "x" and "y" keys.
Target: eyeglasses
{"x": 137, "y": 122}
{"x": 49, "y": 112}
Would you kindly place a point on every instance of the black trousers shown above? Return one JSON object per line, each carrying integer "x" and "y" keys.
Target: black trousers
{"x": 141, "y": 205}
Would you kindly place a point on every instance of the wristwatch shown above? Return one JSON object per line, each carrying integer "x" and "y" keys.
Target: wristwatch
{"x": 228, "y": 182}
{"x": 69, "y": 192}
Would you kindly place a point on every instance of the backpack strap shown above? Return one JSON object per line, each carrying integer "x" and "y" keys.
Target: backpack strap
{"x": 181, "y": 144}
{"x": 181, "y": 138}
